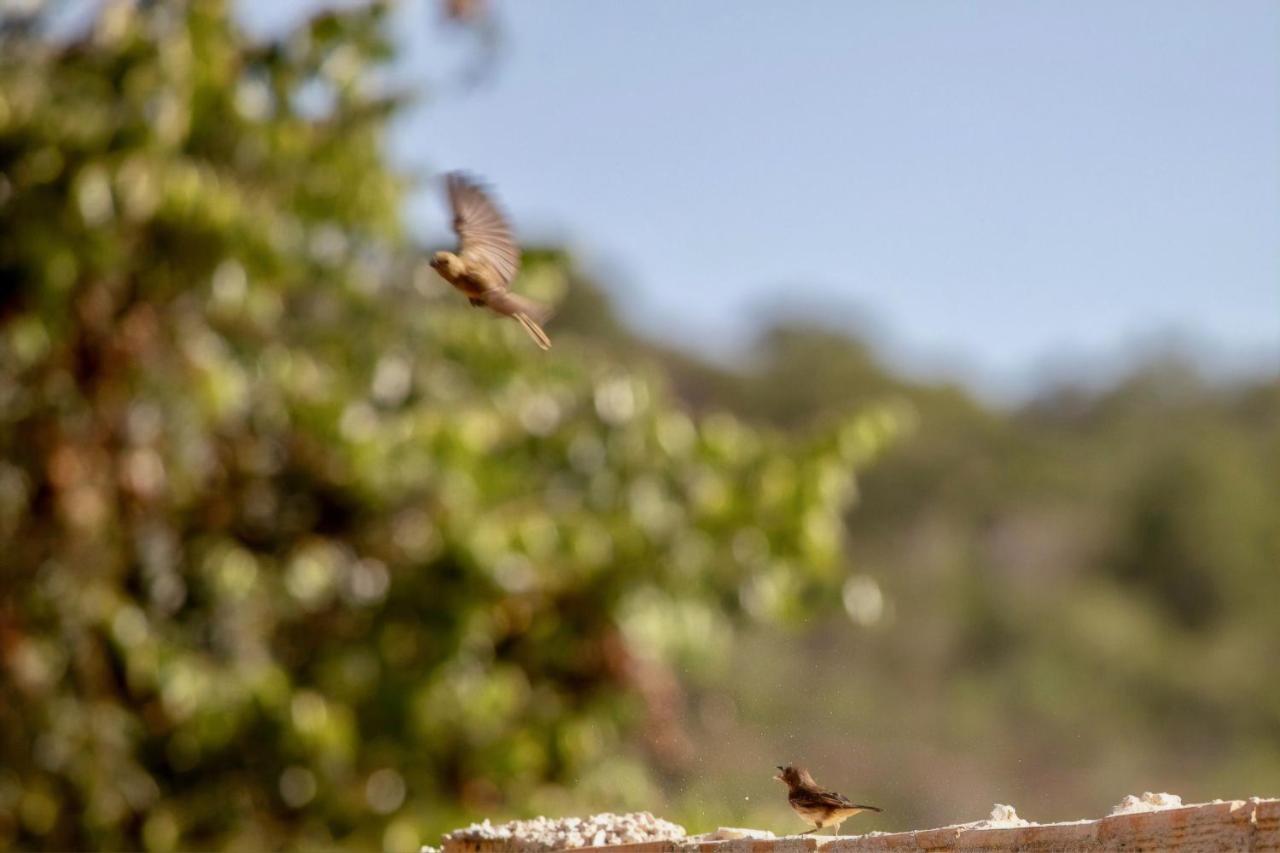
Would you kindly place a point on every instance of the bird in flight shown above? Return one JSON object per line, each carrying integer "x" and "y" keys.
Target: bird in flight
{"x": 817, "y": 807}
{"x": 487, "y": 258}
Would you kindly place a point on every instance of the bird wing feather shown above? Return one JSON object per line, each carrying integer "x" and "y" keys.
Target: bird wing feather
{"x": 847, "y": 803}
{"x": 484, "y": 236}
{"x": 832, "y": 800}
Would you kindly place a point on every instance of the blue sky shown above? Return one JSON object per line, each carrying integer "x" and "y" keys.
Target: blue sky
{"x": 991, "y": 187}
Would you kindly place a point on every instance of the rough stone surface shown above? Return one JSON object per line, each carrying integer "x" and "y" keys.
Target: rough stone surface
{"x": 542, "y": 833}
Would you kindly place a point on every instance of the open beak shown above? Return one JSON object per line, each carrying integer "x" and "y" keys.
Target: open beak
{"x": 777, "y": 777}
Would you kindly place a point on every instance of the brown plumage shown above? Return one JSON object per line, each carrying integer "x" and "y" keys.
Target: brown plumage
{"x": 487, "y": 259}
{"x": 817, "y": 807}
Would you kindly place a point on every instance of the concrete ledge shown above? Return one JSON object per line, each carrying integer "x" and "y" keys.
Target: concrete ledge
{"x": 1237, "y": 825}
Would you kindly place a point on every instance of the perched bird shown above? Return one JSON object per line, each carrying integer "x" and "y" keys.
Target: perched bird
{"x": 814, "y": 805}
{"x": 487, "y": 258}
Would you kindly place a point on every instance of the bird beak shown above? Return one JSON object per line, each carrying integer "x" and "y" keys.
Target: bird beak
{"x": 777, "y": 777}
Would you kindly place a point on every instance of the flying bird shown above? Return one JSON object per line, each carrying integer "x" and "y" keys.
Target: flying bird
{"x": 814, "y": 805}
{"x": 487, "y": 258}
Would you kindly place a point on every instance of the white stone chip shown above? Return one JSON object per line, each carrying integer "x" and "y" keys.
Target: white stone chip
{"x": 734, "y": 833}
{"x": 1002, "y": 817}
{"x": 1148, "y": 802}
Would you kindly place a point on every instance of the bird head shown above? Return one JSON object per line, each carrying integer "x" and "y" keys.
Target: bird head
{"x": 447, "y": 264}
{"x": 794, "y": 777}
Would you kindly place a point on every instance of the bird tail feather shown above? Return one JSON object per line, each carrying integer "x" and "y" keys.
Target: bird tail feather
{"x": 528, "y": 313}
{"x": 535, "y": 331}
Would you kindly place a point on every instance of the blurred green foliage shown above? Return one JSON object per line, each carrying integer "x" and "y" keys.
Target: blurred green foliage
{"x": 298, "y": 549}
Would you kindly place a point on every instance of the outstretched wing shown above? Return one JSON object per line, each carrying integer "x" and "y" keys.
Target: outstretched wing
{"x": 483, "y": 233}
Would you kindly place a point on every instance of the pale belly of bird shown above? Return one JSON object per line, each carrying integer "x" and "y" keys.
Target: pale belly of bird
{"x": 822, "y": 815}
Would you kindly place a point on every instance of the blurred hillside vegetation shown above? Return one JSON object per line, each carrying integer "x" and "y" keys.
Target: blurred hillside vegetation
{"x": 298, "y": 550}
{"x": 1052, "y": 604}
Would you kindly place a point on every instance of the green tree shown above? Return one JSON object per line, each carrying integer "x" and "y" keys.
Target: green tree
{"x": 296, "y": 547}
